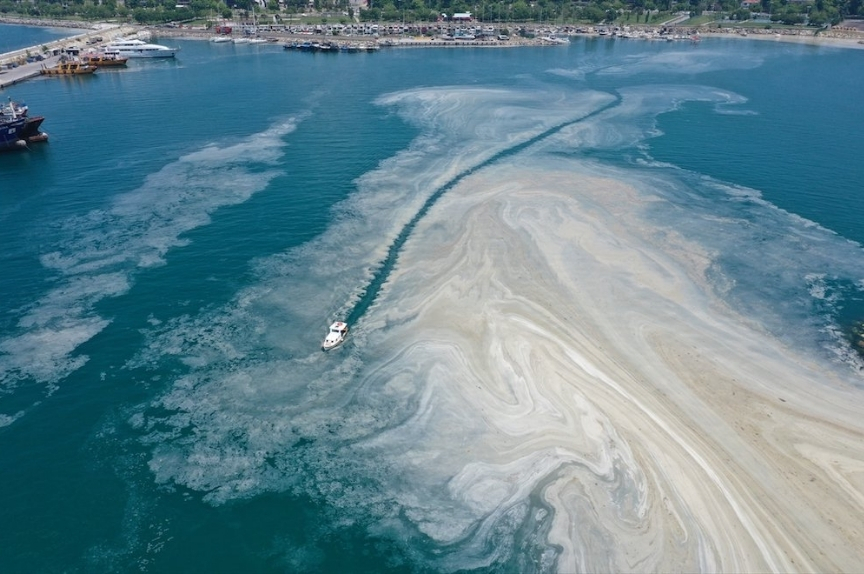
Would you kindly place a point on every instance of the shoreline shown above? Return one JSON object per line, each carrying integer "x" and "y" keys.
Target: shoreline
{"x": 14, "y": 69}
{"x": 838, "y": 37}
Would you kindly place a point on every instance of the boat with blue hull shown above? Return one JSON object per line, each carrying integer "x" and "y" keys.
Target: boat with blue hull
{"x": 10, "y": 133}
{"x": 17, "y": 128}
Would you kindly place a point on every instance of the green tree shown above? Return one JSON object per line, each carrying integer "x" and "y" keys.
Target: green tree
{"x": 520, "y": 11}
{"x": 370, "y": 15}
{"x": 593, "y": 14}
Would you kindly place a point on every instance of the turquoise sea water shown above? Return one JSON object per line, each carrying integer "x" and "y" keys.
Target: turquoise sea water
{"x": 17, "y": 37}
{"x": 171, "y": 260}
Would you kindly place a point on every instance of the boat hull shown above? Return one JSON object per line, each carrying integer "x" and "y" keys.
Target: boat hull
{"x": 106, "y": 62}
{"x": 137, "y": 48}
{"x": 17, "y": 129}
{"x": 10, "y": 134}
{"x": 159, "y": 54}
{"x": 17, "y": 133}
{"x": 30, "y": 129}
{"x": 335, "y": 337}
{"x": 169, "y": 53}
{"x": 66, "y": 69}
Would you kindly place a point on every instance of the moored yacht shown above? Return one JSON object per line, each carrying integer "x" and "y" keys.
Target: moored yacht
{"x": 554, "y": 39}
{"x": 135, "y": 48}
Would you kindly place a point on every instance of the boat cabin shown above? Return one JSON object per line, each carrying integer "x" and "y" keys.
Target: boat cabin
{"x": 336, "y": 335}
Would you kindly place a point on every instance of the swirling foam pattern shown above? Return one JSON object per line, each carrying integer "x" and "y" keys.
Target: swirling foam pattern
{"x": 550, "y": 377}
{"x": 100, "y": 253}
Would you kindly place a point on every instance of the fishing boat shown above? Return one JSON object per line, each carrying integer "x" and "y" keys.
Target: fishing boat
{"x": 336, "y": 336}
{"x": 69, "y": 68}
{"x": 17, "y": 129}
{"x": 10, "y": 133}
{"x": 103, "y": 60}
{"x": 13, "y": 109}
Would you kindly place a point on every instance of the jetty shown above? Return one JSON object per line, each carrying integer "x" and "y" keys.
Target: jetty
{"x": 20, "y": 65}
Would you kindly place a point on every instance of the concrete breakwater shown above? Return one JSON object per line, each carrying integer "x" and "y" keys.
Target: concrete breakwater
{"x": 19, "y": 65}
{"x": 101, "y": 33}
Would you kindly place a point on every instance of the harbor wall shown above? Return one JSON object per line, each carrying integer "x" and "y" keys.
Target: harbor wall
{"x": 80, "y": 40}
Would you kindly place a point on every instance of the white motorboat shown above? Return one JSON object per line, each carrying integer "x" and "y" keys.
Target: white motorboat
{"x": 336, "y": 336}
{"x": 555, "y": 40}
{"x": 135, "y": 48}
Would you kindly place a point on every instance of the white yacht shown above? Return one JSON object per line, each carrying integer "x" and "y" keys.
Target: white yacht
{"x": 135, "y": 48}
{"x": 336, "y": 336}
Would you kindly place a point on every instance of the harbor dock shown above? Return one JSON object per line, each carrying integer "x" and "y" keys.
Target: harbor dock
{"x": 19, "y": 65}
{"x": 26, "y": 71}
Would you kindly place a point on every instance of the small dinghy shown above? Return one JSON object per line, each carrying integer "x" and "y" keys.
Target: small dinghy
{"x": 336, "y": 336}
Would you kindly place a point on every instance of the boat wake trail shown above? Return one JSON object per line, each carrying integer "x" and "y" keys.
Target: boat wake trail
{"x": 261, "y": 409}
{"x": 549, "y": 379}
{"x": 370, "y": 293}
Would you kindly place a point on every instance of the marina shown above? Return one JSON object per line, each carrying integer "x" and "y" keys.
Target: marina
{"x": 25, "y": 63}
{"x": 128, "y": 41}
{"x": 19, "y": 73}
{"x": 332, "y": 47}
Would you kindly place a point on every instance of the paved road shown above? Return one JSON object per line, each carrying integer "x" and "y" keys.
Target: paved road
{"x": 26, "y": 71}
{"x": 9, "y": 76}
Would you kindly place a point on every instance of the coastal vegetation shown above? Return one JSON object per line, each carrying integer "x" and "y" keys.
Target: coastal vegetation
{"x": 789, "y": 12}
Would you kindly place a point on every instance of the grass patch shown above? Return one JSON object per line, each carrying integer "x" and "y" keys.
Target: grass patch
{"x": 699, "y": 20}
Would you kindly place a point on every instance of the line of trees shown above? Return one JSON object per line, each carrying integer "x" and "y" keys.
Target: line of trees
{"x": 811, "y": 12}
